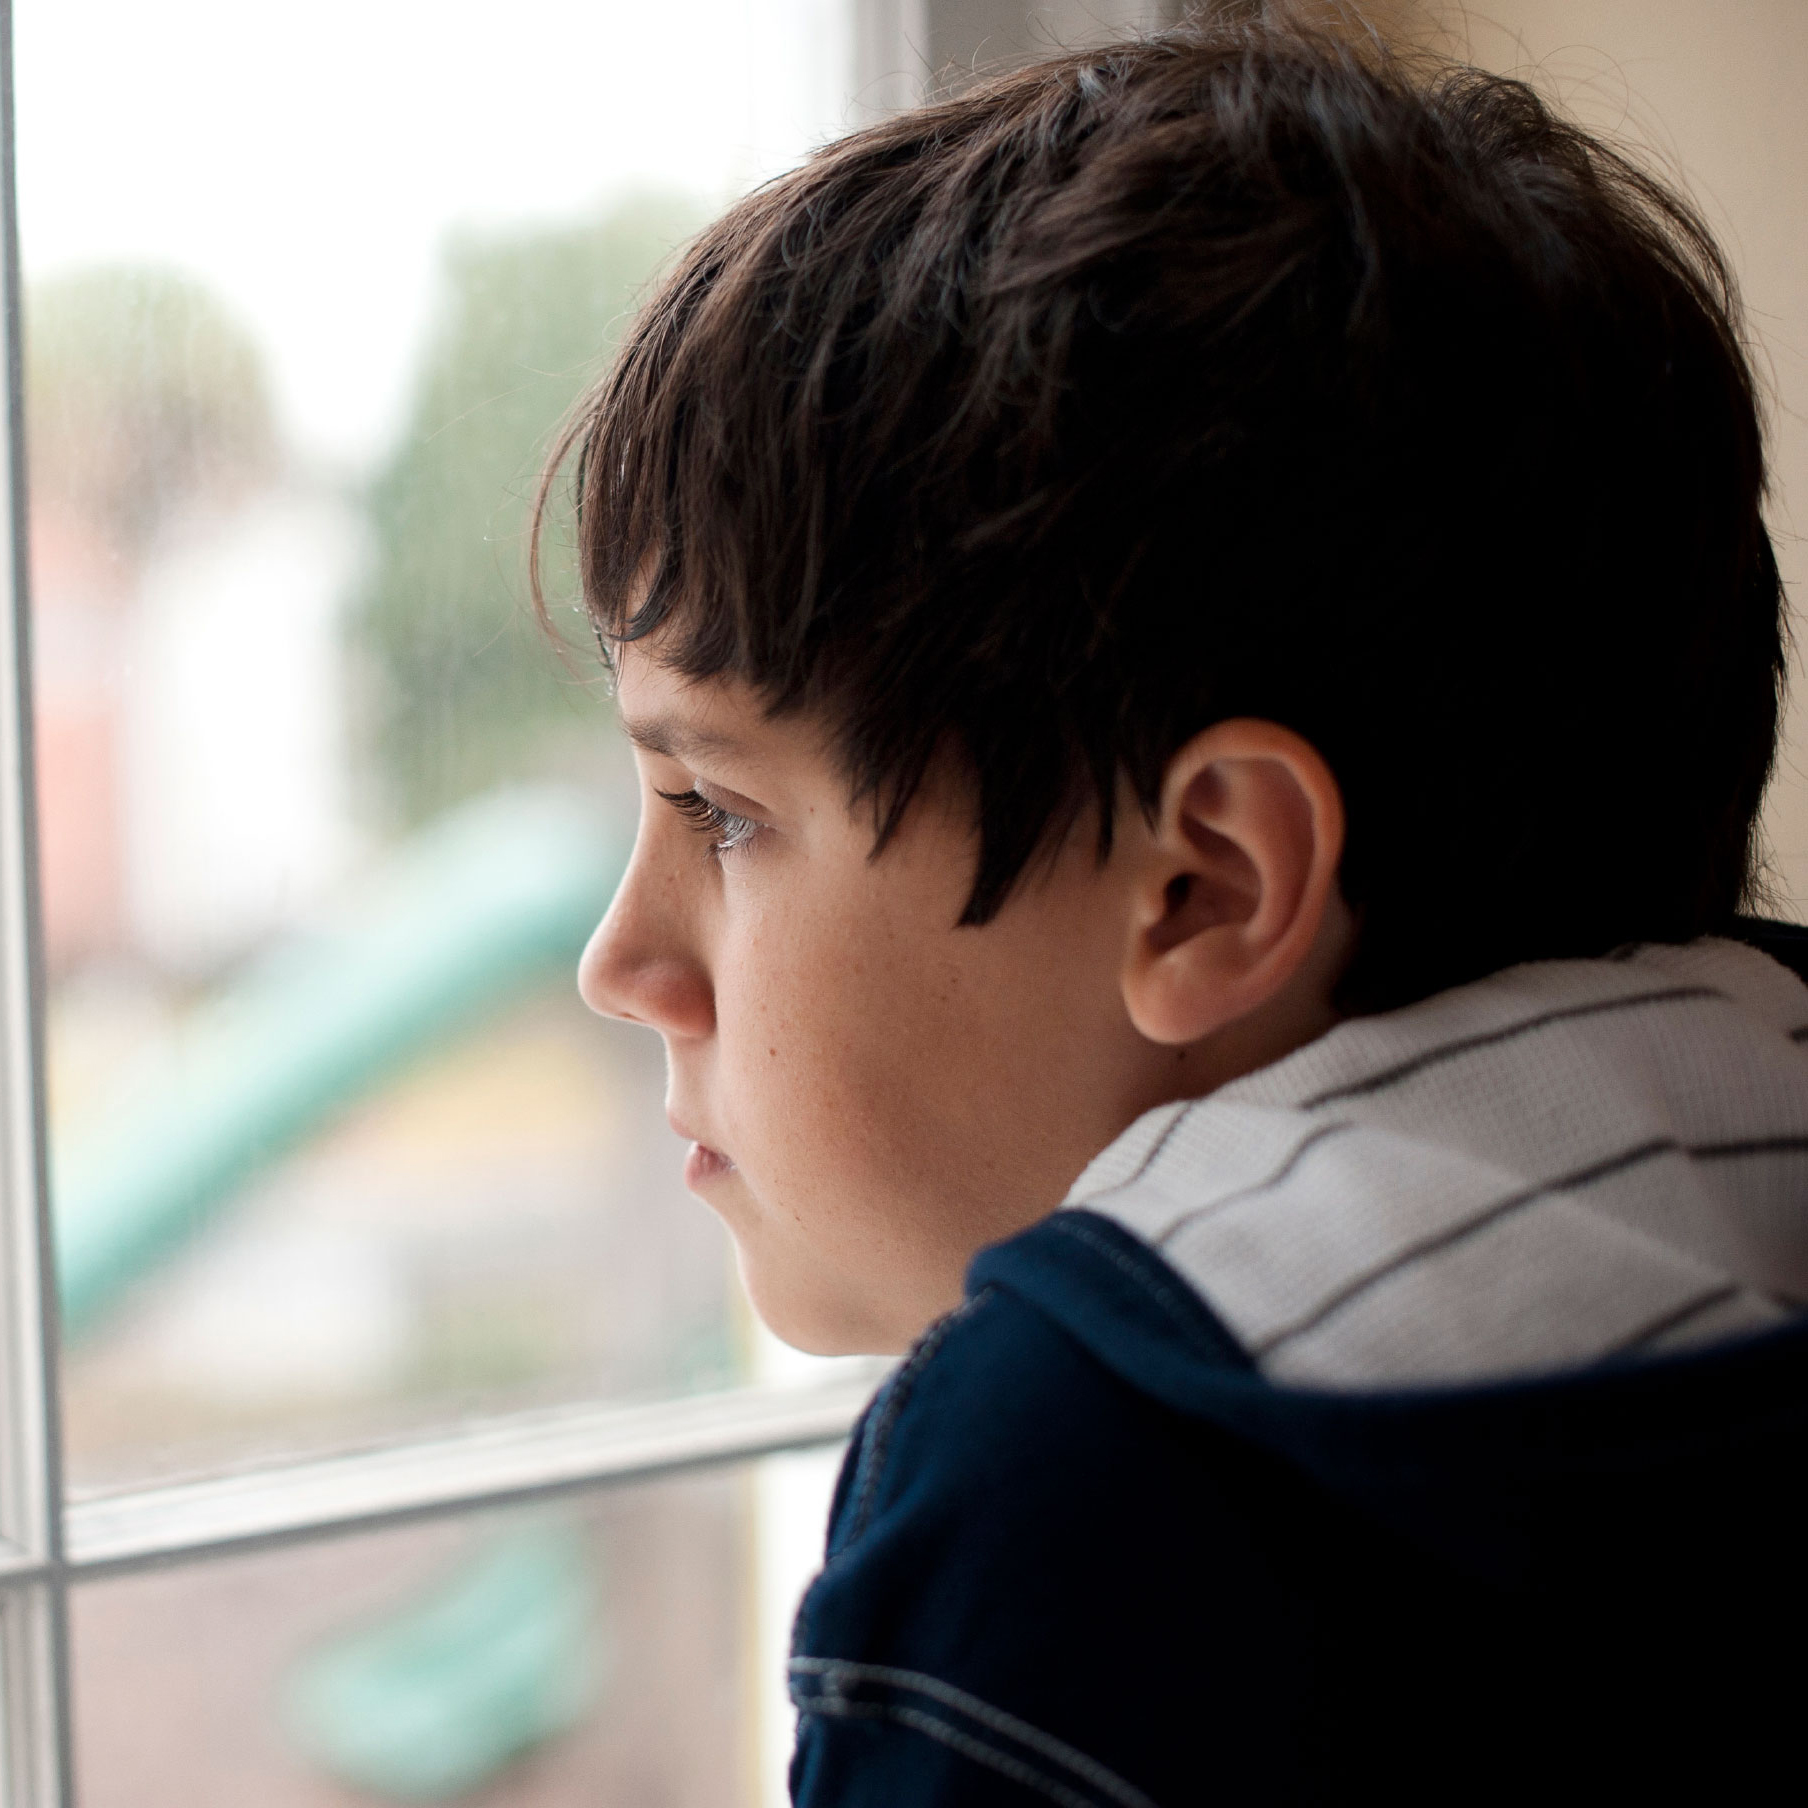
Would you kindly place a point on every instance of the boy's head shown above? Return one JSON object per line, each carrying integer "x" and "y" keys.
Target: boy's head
{"x": 1194, "y": 538}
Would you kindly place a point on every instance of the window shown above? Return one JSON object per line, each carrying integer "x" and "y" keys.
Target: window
{"x": 361, "y": 1225}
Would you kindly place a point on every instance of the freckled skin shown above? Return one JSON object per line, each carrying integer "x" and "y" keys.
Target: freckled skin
{"x": 893, "y": 1091}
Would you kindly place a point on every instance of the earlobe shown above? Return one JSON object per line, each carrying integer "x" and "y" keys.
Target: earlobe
{"x": 1238, "y": 874}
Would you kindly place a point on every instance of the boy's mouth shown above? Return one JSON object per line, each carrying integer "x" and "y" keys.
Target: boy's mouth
{"x": 704, "y": 1164}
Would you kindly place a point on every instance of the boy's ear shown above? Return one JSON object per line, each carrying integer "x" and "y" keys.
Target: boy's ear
{"x": 1238, "y": 881}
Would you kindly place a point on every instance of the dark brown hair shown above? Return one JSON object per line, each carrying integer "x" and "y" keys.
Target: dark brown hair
{"x": 1234, "y": 371}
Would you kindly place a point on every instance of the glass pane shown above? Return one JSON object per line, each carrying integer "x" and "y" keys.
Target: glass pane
{"x": 325, "y": 815}
{"x": 626, "y": 1649}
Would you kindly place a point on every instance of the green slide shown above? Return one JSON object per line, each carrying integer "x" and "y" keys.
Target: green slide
{"x": 484, "y": 904}
{"x": 486, "y": 1664}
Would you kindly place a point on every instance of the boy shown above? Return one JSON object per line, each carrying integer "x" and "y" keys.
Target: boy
{"x": 1203, "y": 656}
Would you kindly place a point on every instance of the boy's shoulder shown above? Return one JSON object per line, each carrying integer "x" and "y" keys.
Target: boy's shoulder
{"x": 1083, "y": 1552}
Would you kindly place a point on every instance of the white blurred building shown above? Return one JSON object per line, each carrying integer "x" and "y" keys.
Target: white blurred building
{"x": 234, "y": 781}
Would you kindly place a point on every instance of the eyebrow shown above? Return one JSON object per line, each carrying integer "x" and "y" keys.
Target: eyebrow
{"x": 677, "y": 740}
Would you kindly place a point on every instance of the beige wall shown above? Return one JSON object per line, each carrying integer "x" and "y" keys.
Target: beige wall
{"x": 1716, "y": 90}
{"x": 903, "y": 48}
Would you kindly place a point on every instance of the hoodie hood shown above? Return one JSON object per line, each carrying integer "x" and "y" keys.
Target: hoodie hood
{"x": 1567, "y": 1163}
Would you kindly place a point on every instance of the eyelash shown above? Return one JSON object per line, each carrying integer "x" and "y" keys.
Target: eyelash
{"x": 728, "y": 831}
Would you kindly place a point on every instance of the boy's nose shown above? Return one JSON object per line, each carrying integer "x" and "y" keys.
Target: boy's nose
{"x": 636, "y": 966}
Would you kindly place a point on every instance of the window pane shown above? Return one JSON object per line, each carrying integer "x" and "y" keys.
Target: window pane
{"x": 325, "y": 819}
{"x": 614, "y": 1650}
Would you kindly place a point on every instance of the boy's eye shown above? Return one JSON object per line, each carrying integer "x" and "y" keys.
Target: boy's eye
{"x": 726, "y": 830}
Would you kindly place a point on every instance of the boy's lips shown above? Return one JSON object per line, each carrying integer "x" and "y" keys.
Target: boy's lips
{"x": 704, "y": 1163}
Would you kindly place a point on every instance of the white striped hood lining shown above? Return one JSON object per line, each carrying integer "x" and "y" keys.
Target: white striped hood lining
{"x": 1565, "y": 1162}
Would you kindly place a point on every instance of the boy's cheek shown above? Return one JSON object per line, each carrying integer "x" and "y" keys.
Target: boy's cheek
{"x": 829, "y": 1201}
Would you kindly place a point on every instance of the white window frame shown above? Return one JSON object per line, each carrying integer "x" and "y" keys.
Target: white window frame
{"x": 49, "y": 1539}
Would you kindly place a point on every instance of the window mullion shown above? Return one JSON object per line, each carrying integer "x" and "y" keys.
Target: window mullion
{"x": 33, "y": 1643}
{"x": 34, "y": 1753}
{"x": 523, "y": 1457}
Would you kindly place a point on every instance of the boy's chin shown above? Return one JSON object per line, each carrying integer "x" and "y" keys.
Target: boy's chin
{"x": 813, "y": 1315}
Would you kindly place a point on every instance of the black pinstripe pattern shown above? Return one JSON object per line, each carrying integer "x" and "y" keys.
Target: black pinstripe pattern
{"x": 1448, "y": 1051}
{"x": 1676, "y": 1318}
{"x": 1292, "y": 1160}
{"x": 1578, "y": 1180}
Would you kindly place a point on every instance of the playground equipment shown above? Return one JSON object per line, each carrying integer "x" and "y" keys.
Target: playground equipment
{"x": 451, "y": 1686}
{"x": 433, "y": 1699}
{"x": 481, "y": 907}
